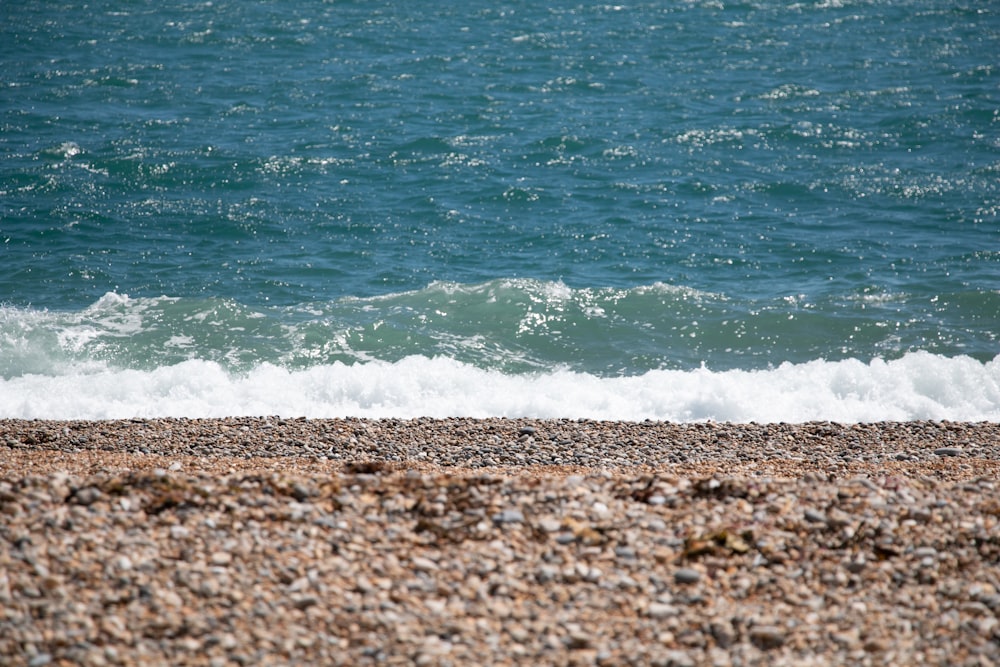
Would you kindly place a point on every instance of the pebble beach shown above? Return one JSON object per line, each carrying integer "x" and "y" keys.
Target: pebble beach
{"x": 269, "y": 541}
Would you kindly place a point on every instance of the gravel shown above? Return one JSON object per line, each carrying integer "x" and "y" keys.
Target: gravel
{"x": 291, "y": 541}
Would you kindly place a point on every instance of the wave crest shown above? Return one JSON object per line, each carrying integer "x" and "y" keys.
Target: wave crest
{"x": 917, "y": 386}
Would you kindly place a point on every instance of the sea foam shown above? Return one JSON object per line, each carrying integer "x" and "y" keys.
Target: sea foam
{"x": 919, "y": 385}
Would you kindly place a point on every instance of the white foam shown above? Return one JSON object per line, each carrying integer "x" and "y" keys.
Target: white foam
{"x": 918, "y": 386}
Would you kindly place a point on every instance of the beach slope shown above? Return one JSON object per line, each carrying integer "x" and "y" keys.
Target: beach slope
{"x": 497, "y": 541}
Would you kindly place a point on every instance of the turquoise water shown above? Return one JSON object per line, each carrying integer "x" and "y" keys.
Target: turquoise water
{"x": 674, "y": 210}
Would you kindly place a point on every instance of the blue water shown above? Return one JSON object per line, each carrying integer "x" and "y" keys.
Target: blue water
{"x": 672, "y": 210}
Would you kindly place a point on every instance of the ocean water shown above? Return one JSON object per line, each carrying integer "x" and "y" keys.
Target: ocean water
{"x": 685, "y": 210}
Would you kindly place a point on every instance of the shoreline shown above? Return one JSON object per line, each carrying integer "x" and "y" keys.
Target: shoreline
{"x": 498, "y": 541}
{"x": 518, "y": 442}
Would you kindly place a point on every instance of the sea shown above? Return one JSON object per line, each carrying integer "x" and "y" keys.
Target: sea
{"x": 684, "y": 210}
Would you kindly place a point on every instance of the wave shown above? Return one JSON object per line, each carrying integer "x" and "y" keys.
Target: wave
{"x": 511, "y": 325}
{"x": 916, "y": 386}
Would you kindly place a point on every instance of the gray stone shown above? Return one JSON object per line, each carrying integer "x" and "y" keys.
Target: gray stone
{"x": 991, "y": 601}
{"x": 812, "y": 516}
{"x": 661, "y": 610}
{"x": 549, "y": 524}
{"x": 686, "y": 575}
{"x": 723, "y": 633}
{"x": 304, "y": 601}
{"x": 87, "y": 495}
{"x": 509, "y": 516}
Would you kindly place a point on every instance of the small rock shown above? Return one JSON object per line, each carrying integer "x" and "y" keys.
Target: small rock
{"x": 304, "y": 601}
{"x": 661, "y": 610}
{"x": 686, "y": 575}
{"x": 87, "y": 495}
{"x": 812, "y": 516}
{"x": 422, "y": 564}
{"x": 222, "y": 558}
{"x": 625, "y": 552}
{"x": 723, "y": 633}
{"x": 974, "y": 608}
{"x": 857, "y": 564}
{"x": 509, "y": 516}
{"x": 877, "y": 645}
{"x": 527, "y": 430}
{"x": 300, "y": 584}
{"x": 675, "y": 659}
{"x": 948, "y": 451}
{"x": 550, "y": 525}
{"x": 838, "y": 518}
{"x": 171, "y": 598}
{"x": 847, "y": 639}
{"x": 991, "y": 601}
{"x": 767, "y": 636}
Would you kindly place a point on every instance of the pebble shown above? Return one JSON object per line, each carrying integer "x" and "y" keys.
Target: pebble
{"x": 813, "y": 516}
{"x": 422, "y": 564}
{"x": 661, "y": 610}
{"x": 601, "y": 542}
{"x": 675, "y": 659}
{"x": 767, "y": 636}
{"x": 509, "y": 516}
{"x": 305, "y": 601}
{"x": 992, "y": 601}
{"x": 948, "y": 451}
{"x": 221, "y": 558}
{"x": 687, "y": 576}
{"x": 723, "y": 633}
{"x": 86, "y": 496}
